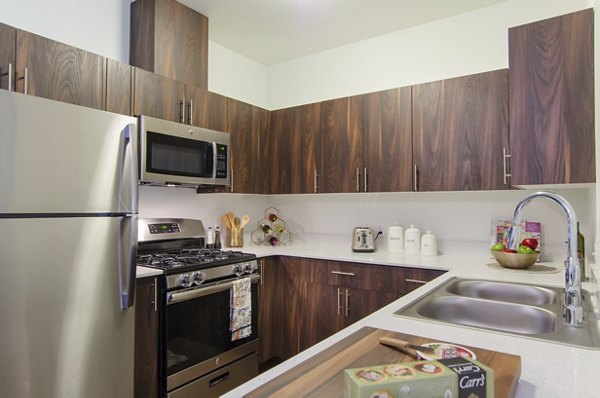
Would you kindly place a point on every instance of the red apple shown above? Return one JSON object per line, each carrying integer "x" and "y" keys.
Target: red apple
{"x": 530, "y": 242}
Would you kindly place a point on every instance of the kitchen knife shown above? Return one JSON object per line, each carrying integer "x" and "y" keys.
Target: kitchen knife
{"x": 397, "y": 343}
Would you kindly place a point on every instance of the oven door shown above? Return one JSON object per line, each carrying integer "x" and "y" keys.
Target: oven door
{"x": 198, "y": 336}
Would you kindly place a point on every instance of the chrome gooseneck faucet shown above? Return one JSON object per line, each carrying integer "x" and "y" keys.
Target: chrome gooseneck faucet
{"x": 573, "y": 311}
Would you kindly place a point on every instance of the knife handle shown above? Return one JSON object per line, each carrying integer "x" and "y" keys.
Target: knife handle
{"x": 400, "y": 345}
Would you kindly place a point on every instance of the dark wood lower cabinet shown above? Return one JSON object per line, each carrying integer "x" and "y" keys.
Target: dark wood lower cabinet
{"x": 146, "y": 339}
{"x": 303, "y": 301}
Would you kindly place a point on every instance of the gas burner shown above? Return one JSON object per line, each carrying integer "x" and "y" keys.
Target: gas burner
{"x": 192, "y": 258}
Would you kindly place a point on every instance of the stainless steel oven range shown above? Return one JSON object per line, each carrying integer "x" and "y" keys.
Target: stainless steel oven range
{"x": 198, "y": 355}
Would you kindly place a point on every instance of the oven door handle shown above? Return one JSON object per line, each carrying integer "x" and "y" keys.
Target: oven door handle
{"x": 173, "y": 298}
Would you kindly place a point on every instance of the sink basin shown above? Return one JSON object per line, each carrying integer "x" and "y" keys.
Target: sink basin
{"x": 496, "y": 315}
{"x": 501, "y": 291}
{"x": 514, "y": 308}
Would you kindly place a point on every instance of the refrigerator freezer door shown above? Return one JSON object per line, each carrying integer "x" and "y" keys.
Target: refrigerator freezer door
{"x": 62, "y": 331}
{"x": 62, "y": 158}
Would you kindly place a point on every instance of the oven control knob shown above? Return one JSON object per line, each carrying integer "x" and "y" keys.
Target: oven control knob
{"x": 184, "y": 280}
{"x": 238, "y": 270}
{"x": 198, "y": 277}
{"x": 248, "y": 268}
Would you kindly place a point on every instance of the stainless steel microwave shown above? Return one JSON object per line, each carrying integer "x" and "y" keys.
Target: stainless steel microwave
{"x": 175, "y": 154}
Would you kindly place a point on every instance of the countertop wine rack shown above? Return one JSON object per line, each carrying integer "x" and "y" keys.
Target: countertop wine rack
{"x": 271, "y": 229}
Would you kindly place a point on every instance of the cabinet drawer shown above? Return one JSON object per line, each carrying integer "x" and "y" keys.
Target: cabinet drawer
{"x": 357, "y": 276}
{"x": 410, "y": 279}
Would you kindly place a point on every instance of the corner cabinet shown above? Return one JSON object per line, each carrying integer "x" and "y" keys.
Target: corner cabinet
{"x": 250, "y": 147}
{"x": 294, "y": 136}
{"x": 460, "y": 133}
{"x": 551, "y": 65}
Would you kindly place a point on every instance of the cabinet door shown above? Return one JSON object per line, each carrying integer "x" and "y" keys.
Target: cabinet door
{"x": 157, "y": 96}
{"x": 146, "y": 374}
{"x": 171, "y": 40}
{"x": 551, "y": 65}
{"x": 59, "y": 72}
{"x": 205, "y": 109}
{"x": 358, "y": 303}
{"x": 356, "y": 276}
{"x": 294, "y": 133}
{"x": 340, "y": 146}
{"x": 460, "y": 127}
{"x": 118, "y": 87}
{"x": 248, "y": 126}
{"x": 387, "y": 140}
{"x": 322, "y": 314}
{"x": 8, "y": 39}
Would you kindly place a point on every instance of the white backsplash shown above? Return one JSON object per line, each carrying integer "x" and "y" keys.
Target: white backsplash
{"x": 451, "y": 216}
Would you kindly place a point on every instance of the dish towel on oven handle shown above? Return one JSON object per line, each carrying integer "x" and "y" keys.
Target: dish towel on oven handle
{"x": 241, "y": 309}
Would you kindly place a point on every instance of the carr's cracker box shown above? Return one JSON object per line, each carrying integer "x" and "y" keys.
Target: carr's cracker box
{"x": 421, "y": 379}
{"x": 474, "y": 378}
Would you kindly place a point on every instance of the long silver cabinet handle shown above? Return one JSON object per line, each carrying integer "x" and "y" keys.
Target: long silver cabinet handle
{"x": 339, "y": 302}
{"x": 366, "y": 181}
{"x": 316, "y": 182}
{"x": 416, "y": 281}
{"x": 357, "y": 179}
{"x": 8, "y": 73}
{"x": 191, "y": 111}
{"x": 182, "y": 105}
{"x": 505, "y": 174}
{"x": 347, "y": 303}
{"x": 343, "y": 273}
{"x": 201, "y": 291}
{"x": 415, "y": 178}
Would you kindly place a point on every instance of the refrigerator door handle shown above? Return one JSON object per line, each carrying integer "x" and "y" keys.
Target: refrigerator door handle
{"x": 127, "y": 262}
{"x": 128, "y": 188}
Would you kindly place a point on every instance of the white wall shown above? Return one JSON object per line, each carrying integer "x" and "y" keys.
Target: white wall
{"x": 236, "y": 76}
{"x": 469, "y": 43}
{"x": 101, "y": 27}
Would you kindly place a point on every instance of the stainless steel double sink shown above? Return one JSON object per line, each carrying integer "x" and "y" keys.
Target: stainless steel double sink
{"x": 515, "y": 308}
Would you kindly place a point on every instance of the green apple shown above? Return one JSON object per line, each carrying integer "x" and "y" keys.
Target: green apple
{"x": 498, "y": 247}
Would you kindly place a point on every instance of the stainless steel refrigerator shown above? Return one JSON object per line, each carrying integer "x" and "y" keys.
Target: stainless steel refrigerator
{"x": 68, "y": 204}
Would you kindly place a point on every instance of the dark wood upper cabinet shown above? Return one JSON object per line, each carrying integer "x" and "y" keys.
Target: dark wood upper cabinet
{"x": 170, "y": 39}
{"x": 58, "y": 71}
{"x": 551, "y": 65}
{"x": 205, "y": 109}
{"x": 340, "y": 146}
{"x": 157, "y": 96}
{"x": 249, "y": 128}
{"x": 8, "y": 39}
{"x": 294, "y": 134}
{"x": 118, "y": 87}
{"x": 387, "y": 140}
{"x": 460, "y": 127}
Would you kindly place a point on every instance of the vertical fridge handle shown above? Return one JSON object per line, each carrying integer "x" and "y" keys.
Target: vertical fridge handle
{"x": 127, "y": 261}
{"x": 128, "y": 163}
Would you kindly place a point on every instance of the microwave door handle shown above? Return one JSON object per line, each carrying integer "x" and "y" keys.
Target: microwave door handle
{"x": 214, "y": 160}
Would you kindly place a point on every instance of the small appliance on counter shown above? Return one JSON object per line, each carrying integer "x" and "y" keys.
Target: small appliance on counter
{"x": 363, "y": 239}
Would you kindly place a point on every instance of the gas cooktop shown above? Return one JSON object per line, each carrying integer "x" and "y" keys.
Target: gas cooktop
{"x": 192, "y": 259}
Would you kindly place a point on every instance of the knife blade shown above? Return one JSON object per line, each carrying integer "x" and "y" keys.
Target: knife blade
{"x": 397, "y": 343}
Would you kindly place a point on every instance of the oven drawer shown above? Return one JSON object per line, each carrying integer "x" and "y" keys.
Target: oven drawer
{"x": 220, "y": 381}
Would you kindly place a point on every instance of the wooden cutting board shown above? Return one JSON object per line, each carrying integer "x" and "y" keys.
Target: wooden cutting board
{"x": 323, "y": 374}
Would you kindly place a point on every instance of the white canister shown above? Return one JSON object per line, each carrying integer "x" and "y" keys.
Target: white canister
{"x": 395, "y": 239}
{"x": 412, "y": 240}
{"x": 429, "y": 244}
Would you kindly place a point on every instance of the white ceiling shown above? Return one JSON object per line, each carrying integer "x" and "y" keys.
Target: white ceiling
{"x": 273, "y": 31}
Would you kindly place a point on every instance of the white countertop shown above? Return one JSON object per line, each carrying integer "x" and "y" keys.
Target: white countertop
{"x": 548, "y": 369}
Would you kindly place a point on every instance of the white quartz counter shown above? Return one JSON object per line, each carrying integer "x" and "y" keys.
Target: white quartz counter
{"x": 548, "y": 369}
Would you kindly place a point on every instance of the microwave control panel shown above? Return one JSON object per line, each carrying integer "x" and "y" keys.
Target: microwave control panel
{"x": 221, "y": 171}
